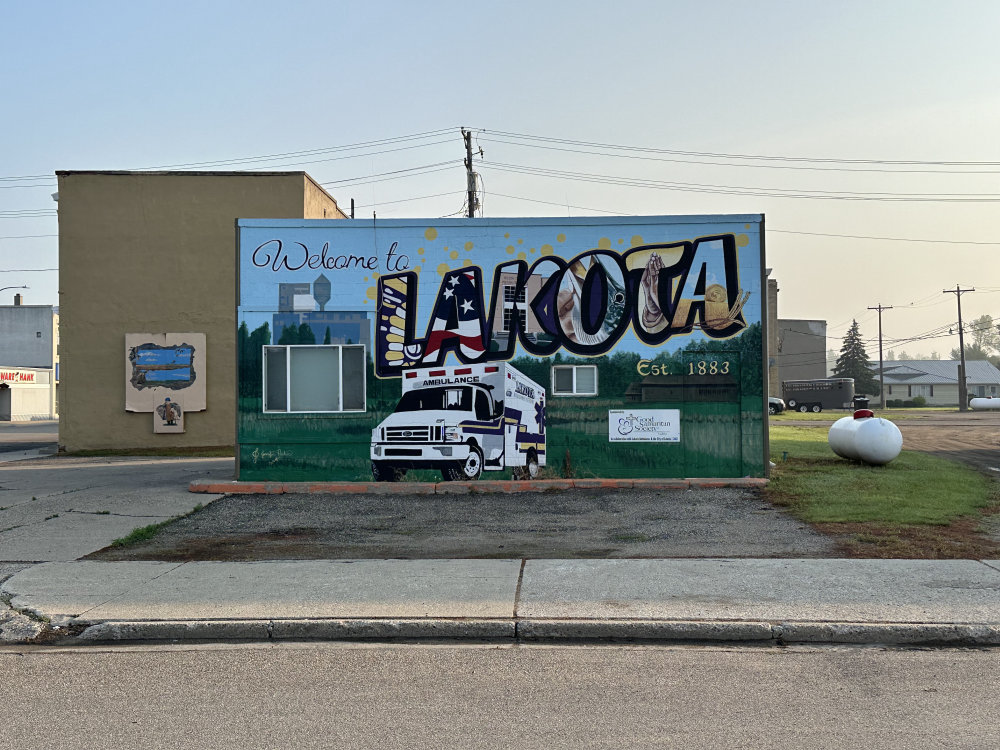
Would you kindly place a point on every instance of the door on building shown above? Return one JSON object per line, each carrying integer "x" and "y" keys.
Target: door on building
{"x": 5, "y": 403}
{"x": 712, "y": 428}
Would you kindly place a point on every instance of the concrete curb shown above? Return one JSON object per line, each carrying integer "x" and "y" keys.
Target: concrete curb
{"x": 534, "y": 631}
{"x": 646, "y": 630}
{"x": 233, "y": 487}
{"x": 337, "y": 629}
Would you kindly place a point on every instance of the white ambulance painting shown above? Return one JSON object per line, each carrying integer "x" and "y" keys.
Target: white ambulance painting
{"x": 463, "y": 420}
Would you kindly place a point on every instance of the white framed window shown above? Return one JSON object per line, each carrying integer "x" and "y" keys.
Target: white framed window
{"x": 512, "y": 294}
{"x": 508, "y": 319}
{"x": 574, "y": 380}
{"x": 307, "y": 378}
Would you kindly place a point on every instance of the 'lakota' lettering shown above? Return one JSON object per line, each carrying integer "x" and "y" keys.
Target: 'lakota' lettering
{"x": 583, "y": 306}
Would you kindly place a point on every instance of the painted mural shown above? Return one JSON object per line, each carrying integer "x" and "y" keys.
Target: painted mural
{"x": 639, "y": 339}
{"x": 158, "y": 365}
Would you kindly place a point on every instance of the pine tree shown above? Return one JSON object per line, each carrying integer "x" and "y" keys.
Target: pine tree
{"x": 306, "y": 335}
{"x": 289, "y": 336}
{"x": 853, "y": 362}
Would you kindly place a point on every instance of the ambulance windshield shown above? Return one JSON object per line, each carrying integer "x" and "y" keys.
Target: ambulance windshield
{"x": 450, "y": 398}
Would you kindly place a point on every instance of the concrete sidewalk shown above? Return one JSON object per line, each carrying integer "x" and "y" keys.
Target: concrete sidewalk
{"x": 955, "y": 603}
{"x": 57, "y": 510}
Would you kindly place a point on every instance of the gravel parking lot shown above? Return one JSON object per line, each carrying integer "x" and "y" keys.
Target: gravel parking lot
{"x": 570, "y": 524}
{"x": 567, "y": 524}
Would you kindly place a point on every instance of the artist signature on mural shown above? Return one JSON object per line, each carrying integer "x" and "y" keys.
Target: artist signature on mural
{"x": 268, "y": 458}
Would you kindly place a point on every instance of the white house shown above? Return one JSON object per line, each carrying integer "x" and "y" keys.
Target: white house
{"x": 936, "y": 380}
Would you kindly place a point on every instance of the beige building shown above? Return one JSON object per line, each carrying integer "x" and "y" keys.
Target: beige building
{"x": 801, "y": 353}
{"x": 155, "y": 253}
{"x": 771, "y": 316}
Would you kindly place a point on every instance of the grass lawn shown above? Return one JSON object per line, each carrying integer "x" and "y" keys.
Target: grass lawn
{"x": 906, "y": 508}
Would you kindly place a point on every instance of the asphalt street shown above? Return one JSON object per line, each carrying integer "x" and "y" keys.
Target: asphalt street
{"x": 21, "y": 439}
{"x": 445, "y": 696}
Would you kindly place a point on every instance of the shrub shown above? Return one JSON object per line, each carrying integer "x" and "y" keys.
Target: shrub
{"x": 919, "y": 401}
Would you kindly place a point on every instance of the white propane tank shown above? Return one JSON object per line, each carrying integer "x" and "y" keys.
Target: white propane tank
{"x": 865, "y": 437}
{"x": 982, "y": 404}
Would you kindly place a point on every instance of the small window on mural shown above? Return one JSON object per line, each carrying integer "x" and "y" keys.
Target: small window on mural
{"x": 314, "y": 378}
{"x": 574, "y": 380}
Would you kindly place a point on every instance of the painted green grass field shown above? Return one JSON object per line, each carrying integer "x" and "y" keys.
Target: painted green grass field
{"x": 719, "y": 439}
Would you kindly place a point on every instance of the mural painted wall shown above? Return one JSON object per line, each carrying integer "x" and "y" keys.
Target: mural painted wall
{"x": 165, "y": 375}
{"x": 639, "y": 339}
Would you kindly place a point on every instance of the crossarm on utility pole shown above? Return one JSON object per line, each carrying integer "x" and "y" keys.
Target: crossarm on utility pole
{"x": 963, "y": 393}
{"x": 881, "y": 369}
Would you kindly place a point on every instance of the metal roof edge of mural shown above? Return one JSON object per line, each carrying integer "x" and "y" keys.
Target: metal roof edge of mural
{"x": 501, "y": 348}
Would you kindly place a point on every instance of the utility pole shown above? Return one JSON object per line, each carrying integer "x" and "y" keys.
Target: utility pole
{"x": 470, "y": 176}
{"x": 881, "y": 374}
{"x": 963, "y": 395}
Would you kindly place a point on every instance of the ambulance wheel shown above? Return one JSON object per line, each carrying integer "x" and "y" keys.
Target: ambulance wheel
{"x": 383, "y": 471}
{"x": 530, "y": 470}
{"x": 467, "y": 470}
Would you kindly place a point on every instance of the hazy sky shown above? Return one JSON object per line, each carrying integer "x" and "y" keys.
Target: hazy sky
{"x": 837, "y": 89}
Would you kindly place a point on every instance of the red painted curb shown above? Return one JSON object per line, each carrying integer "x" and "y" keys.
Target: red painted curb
{"x": 661, "y": 484}
{"x": 739, "y": 482}
{"x": 394, "y": 488}
{"x": 212, "y": 488}
{"x": 603, "y": 484}
{"x": 234, "y": 487}
{"x": 459, "y": 488}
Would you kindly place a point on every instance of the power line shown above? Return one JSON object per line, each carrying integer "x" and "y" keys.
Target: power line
{"x": 885, "y": 239}
{"x": 309, "y": 152}
{"x": 754, "y": 157}
{"x": 741, "y": 189}
{"x": 284, "y": 155}
{"x": 561, "y": 205}
{"x": 27, "y": 214}
{"x": 406, "y": 200}
{"x": 409, "y": 172}
{"x": 702, "y": 162}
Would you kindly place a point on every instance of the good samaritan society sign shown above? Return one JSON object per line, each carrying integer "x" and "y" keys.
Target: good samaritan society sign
{"x": 644, "y": 425}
